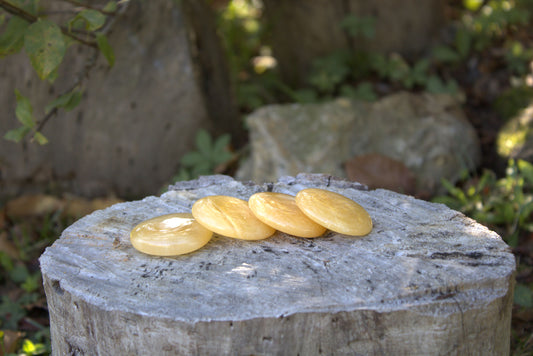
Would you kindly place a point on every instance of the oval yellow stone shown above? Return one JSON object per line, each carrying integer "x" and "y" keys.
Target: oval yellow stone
{"x": 169, "y": 235}
{"x": 230, "y": 217}
{"x": 334, "y": 211}
{"x": 281, "y": 212}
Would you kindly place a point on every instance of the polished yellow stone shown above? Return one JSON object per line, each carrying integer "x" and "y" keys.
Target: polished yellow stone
{"x": 169, "y": 235}
{"x": 229, "y": 216}
{"x": 281, "y": 212}
{"x": 334, "y": 211}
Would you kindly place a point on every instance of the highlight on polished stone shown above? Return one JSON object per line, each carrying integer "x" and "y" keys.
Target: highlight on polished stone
{"x": 231, "y": 217}
{"x": 169, "y": 235}
{"x": 334, "y": 211}
{"x": 281, "y": 212}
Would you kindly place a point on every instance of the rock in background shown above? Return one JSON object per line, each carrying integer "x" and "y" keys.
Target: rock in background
{"x": 135, "y": 120}
{"x": 427, "y": 133}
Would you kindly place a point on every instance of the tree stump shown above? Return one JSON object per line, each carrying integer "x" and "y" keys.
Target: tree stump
{"x": 426, "y": 281}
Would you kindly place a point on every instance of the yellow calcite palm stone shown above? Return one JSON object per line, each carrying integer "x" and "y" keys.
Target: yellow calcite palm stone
{"x": 334, "y": 211}
{"x": 169, "y": 235}
{"x": 231, "y": 217}
{"x": 281, "y": 212}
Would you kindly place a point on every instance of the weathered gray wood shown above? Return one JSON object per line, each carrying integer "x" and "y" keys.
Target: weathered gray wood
{"x": 426, "y": 281}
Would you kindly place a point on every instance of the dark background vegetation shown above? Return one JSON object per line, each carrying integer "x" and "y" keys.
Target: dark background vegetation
{"x": 482, "y": 53}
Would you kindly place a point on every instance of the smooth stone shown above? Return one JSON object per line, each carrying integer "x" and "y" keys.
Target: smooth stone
{"x": 169, "y": 235}
{"x": 231, "y": 217}
{"x": 281, "y": 212}
{"x": 334, "y": 211}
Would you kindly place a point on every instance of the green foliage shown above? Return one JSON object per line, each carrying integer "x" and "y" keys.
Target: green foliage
{"x": 523, "y": 296}
{"x": 12, "y": 39}
{"x": 10, "y": 313}
{"x": 329, "y": 71}
{"x": 24, "y": 114}
{"x": 105, "y": 48}
{"x": 67, "y": 101}
{"x": 45, "y": 42}
{"x": 512, "y": 100}
{"x": 504, "y": 204}
{"x": 243, "y": 37}
{"x": 518, "y": 57}
{"x": 208, "y": 156}
{"x": 92, "y": 19}
{"x": 363, "y": 91}
{"x": 458, "y": 51}
{"x": 359, "y": 26}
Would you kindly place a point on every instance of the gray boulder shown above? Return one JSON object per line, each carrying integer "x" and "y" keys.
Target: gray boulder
{"x": 428, "y": 133}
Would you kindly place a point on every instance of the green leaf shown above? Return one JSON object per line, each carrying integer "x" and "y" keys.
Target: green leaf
{"x": 363, "y": 91}
{"x": 10, "y": 313}
{"x": 523, "y": 295}
{"x": 204, "y": 143}
{"x": 40, "y": 138}
{"x": 5, "y": 261}
{"x": 31, "y": 283}
{"x": 93, "y": 19}
{"x": 19, "y": 273}
{"x": 526, "y": 169}
{"x": 17, "y": 134}
{"x": 52, "y": 76}
{"x": 110, "y": 6}
{"x": 190, "y": 159}
{"x": 463, "y": 40}
{"x": 30, "y": 6}
{"x": 355, "y": 26}
{"x": 222, "y": 143}
{"x": 221, "y": 157}
{"x": 305, "y": 96}
{"x": 105, "y": 48}
{"x": 30, "y": 349}
{"x": 12, "y": 39}
{"x": 24, "y": 110}
{"x": 202, "y": 168}
{"x": 45, "y": 46}
{"x": 67, "y": 101}
{"x": 445, "y": 54}
{"x": 435, "y": 85}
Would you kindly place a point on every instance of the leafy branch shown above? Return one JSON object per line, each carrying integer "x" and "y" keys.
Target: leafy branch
{"x": 24, "y": 15}
{"x": 45, "y": 42}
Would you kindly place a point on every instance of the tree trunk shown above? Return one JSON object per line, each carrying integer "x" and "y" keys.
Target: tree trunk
{"x": 426, "y": 281}
{"x": 303, "y": 30}
{"x": 211, "y": 67}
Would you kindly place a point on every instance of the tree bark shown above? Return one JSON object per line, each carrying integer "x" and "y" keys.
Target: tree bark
{"x": 426, "y": 281}
{"x": 211, "y": 67}
{"x": 303, "y": 30}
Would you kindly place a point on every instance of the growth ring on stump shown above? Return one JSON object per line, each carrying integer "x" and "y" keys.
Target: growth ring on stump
{"x": 427, "y": 280}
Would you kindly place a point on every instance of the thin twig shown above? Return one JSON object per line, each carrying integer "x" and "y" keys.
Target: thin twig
{"x": 83, "y": 74}
{"x": 81, "y": 77}
{"x": 16, "y": 11}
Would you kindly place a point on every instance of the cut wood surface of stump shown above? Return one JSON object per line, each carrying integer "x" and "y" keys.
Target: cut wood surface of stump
{"x": 426, "y": 281}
